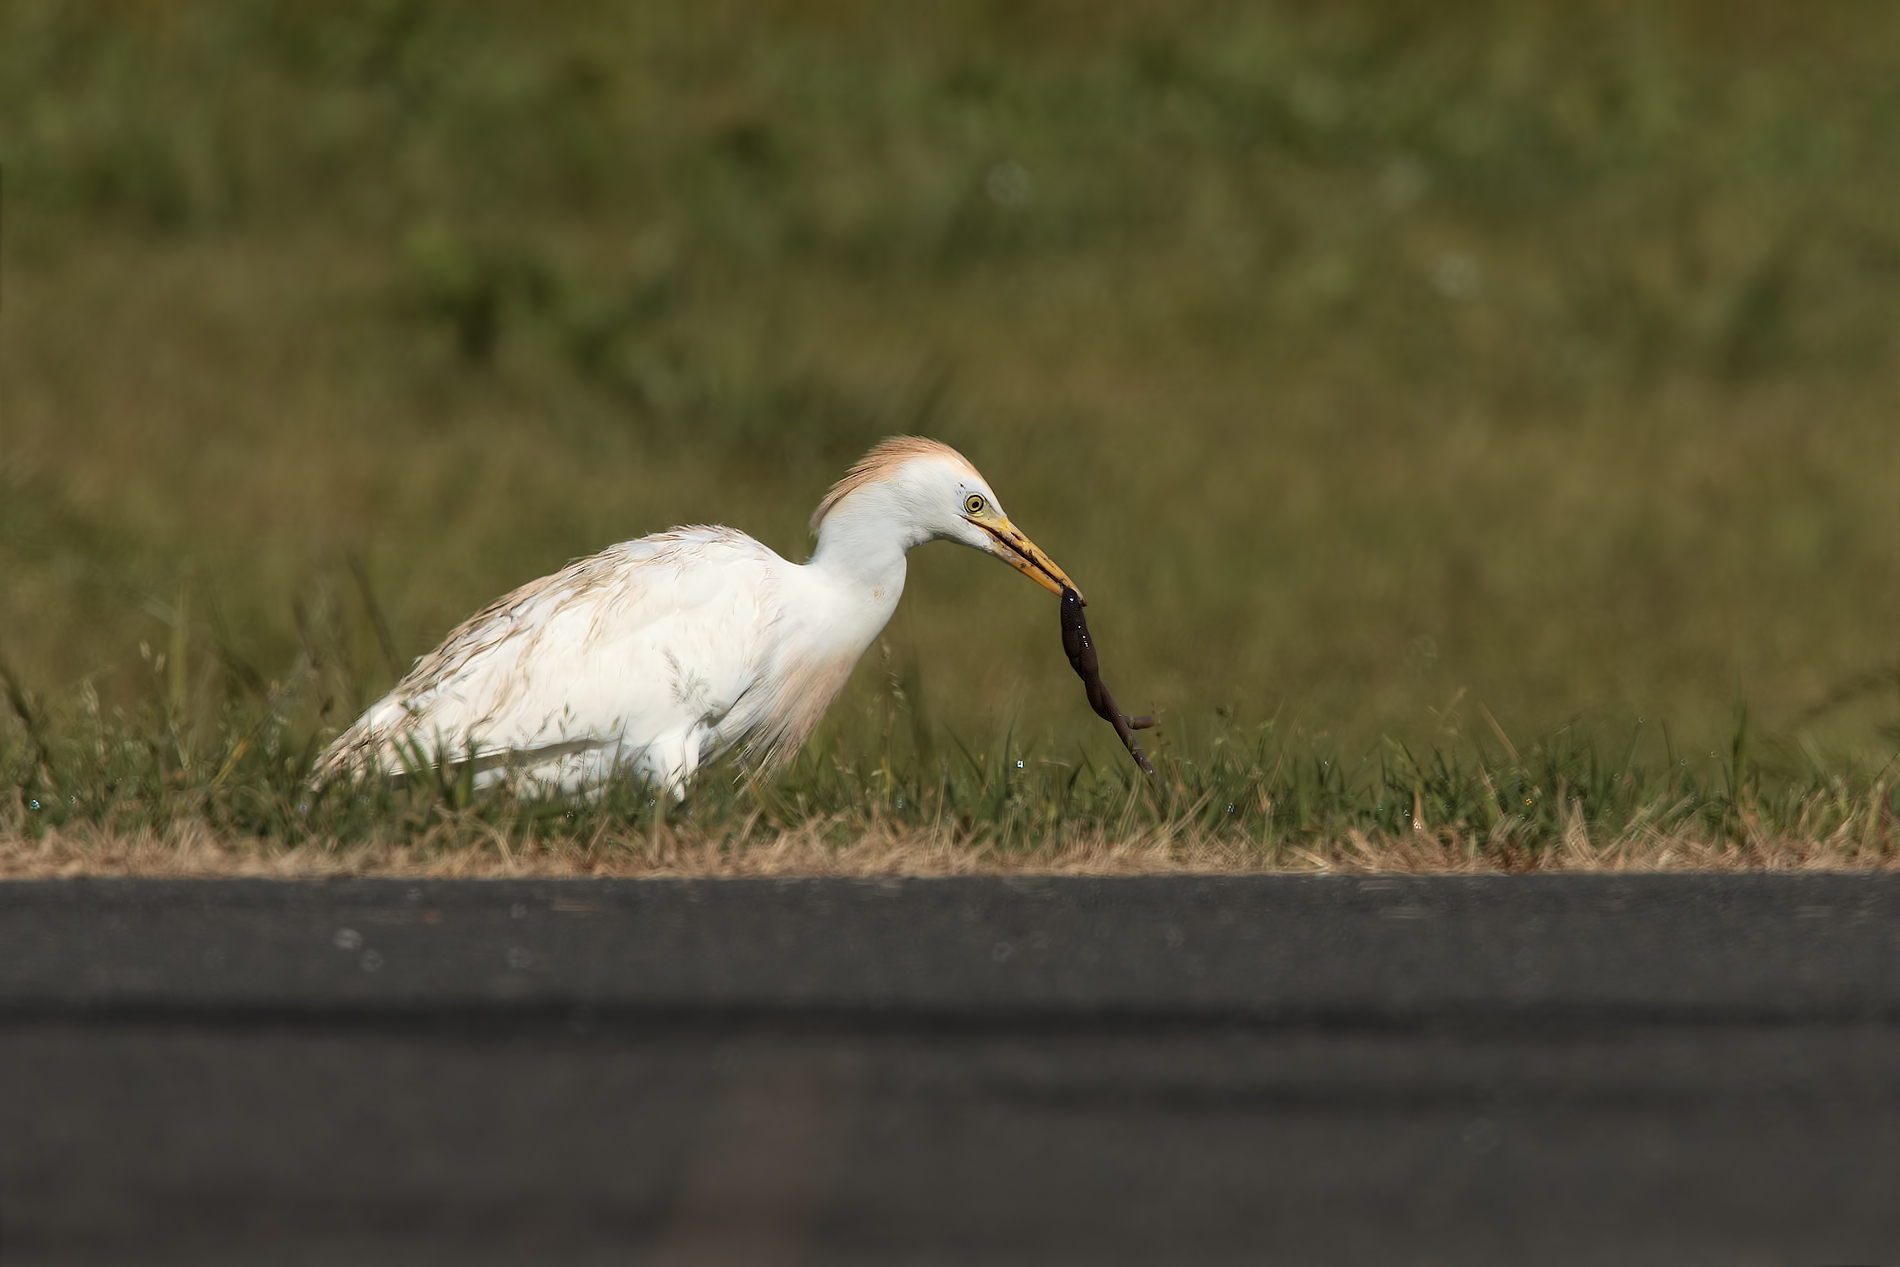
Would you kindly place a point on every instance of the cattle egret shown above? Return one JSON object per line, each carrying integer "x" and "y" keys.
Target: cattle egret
{"x": 656, "y": 656}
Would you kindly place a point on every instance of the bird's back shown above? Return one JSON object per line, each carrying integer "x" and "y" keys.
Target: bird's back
{"x": 654, "y": 654}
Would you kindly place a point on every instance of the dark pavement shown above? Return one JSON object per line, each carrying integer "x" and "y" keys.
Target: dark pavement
{"x": 1537, "y": 1070}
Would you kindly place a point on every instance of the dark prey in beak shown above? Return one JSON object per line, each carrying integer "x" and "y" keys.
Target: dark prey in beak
{"x": 1080, "y": 649}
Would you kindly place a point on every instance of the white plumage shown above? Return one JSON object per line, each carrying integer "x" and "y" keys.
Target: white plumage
{"x": 658, "y": 655}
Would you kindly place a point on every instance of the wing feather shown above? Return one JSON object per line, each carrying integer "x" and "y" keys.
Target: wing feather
{"x": 647, "y": 644}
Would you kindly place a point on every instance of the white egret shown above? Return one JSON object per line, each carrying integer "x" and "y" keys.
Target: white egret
{"x": 656, "y": 656}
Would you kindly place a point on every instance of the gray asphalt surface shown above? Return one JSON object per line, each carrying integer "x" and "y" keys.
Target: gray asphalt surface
{"x": 1543, "y": 1070}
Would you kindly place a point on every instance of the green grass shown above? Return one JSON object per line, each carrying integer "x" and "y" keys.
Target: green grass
{"x": 1378, "y": 369}
{"x": 1237, "y": 800}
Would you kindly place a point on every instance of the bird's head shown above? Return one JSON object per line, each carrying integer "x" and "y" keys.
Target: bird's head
{"x": 929, "y": 492}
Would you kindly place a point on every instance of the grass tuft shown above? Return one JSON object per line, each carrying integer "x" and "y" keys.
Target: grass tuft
{"x": 162, "y": 791}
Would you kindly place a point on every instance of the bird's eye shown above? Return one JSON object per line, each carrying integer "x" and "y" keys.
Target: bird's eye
{"x": 973, "y": 504}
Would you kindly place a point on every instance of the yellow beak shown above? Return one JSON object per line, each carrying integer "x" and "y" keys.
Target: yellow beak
{"x": 1026, "y": 556}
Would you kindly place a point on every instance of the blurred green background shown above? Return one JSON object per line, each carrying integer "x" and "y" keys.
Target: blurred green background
{"x": 1364, "y": 361}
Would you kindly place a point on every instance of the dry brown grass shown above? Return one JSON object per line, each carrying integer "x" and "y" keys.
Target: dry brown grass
{"x": 190, "y": 848}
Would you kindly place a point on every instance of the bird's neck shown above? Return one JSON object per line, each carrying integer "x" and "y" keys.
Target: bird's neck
{"x": 861, "y": 561}
{"x": 863, "y": 549}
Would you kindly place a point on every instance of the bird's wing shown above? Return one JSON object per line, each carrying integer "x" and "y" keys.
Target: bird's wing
{"x": 650, "y": 641}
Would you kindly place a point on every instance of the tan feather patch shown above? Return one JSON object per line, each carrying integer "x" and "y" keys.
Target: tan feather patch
{"x": 805, "y": 688}
{"x": 880, "y": 464}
